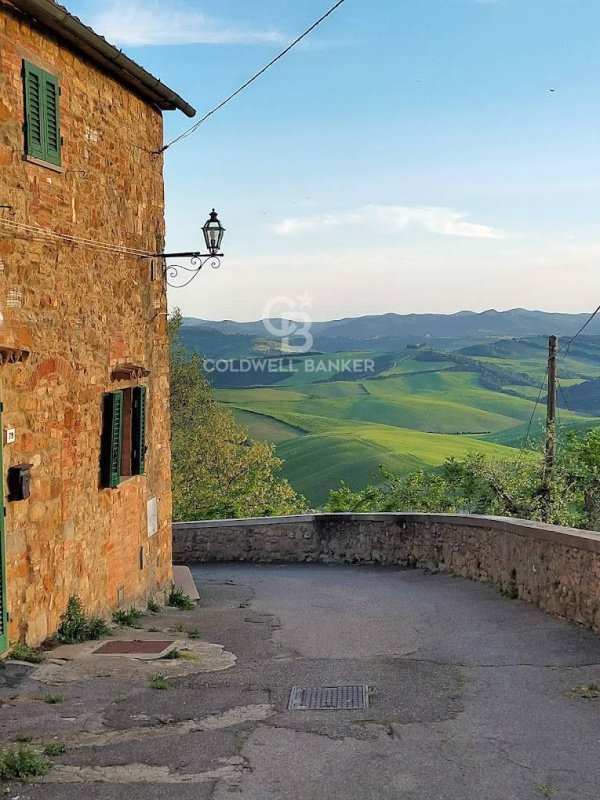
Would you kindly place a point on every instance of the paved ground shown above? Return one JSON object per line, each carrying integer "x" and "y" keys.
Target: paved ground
{"x": 472, "y": 697}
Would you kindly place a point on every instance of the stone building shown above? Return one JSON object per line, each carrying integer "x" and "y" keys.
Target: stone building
{"x": 83, "y": 336}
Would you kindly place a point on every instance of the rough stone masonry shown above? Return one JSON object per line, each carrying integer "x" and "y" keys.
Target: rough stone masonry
{"x": 80, "y": 313}
{"x": 556, "y": 568}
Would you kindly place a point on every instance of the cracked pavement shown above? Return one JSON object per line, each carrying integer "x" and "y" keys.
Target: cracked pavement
{"x": 471, "y": 697}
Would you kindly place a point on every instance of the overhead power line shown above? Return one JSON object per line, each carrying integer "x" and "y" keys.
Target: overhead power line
{"x": 581, "y": 330}
{"x": 537, "y": 402}
{"x": 302, "y": 36}
{"x": 566, "y": 402}
{"x": 46, "y": 234}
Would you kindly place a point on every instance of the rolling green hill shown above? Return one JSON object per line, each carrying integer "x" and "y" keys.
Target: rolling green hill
{"x": 319, "y": 461}
{"x": 416, "y": 407}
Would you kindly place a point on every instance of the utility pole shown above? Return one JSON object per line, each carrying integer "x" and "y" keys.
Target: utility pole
{"x": 551, "y": 404}
{"x": 550, "y": 447}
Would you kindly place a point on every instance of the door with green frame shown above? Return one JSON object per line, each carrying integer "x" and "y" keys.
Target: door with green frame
{"x": 3, "y": 611}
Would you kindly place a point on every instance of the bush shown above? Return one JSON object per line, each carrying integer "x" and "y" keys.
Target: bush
{"x": 179, "y": 599}
{"x": 22, "y": 764}
{"x": 75, "y": 626}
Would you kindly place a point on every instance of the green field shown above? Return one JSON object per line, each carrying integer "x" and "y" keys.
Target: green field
{"x": 414, "y": 410}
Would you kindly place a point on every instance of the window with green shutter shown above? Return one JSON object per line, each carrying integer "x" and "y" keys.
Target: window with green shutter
{"x": 123, "y": 446}
{"x": 110, "y": 466}
{"x": 42, "y": 114}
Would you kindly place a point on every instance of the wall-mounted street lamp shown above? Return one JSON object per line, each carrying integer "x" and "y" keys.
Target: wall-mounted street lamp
{"x": 213, "y": 236}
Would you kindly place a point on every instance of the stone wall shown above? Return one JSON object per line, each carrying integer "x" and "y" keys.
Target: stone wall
{"x": 81, "y": 313}
{"x": 557, "y": 569}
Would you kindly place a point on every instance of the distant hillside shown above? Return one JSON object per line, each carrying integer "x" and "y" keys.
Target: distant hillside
{"x": 583, "y": 397}
{"x": 416, "y": 406}
{"x": 386, "y": 332}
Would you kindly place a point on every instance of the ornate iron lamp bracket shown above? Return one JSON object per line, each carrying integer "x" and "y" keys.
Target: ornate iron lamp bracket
{"x": 213, "y": 236}
{"x": 176, "y": 275}
{"x": 197, "y": 261}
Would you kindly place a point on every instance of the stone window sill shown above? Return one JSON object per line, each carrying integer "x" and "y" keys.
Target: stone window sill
{"x": 46, "y": 164}
{"x": 125, "y": 479}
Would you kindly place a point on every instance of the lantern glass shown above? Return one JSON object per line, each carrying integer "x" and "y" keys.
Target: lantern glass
{"x": 213, "y": 233}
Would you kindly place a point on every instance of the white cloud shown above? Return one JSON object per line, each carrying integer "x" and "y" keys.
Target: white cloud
{"x": 137, "y": 23}
{"x": 438, "y": 220}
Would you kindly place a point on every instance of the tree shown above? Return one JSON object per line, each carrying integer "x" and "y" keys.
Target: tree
{"x": 217, "y": 470}
{"x": 478, "y": 484}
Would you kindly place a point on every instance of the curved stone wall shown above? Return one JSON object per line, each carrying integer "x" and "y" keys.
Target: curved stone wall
{"x": 556, "y": 568}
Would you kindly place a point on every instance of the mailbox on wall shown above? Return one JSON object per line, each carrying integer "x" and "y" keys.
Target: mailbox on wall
{"x": 18, "y": 480}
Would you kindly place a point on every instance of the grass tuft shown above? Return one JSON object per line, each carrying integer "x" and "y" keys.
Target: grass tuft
{"x": 53, "y": 699}
{"x": 159, "y": 682}
{"x": 545, "y": 789}
{"x": 23, "y": 652}
{"x": 153, "y": 607}
{"x": 587, "y": 691}
{"x": 55, "y": 749}
{"x": 128, "y": 617}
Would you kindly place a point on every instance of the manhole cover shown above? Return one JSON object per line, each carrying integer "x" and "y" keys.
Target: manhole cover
{"x": 328, "y": 698}
{"x": 132, "y": 647}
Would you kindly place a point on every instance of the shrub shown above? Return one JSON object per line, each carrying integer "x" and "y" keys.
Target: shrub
{"x": 172, "y": 654}
{"x": 179, "y": 599}
{"x": 75, "y": 626}
{"x": 21, "y": 764}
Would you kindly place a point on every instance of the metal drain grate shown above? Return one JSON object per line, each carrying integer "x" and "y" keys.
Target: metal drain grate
{"x": 328, "y": 698}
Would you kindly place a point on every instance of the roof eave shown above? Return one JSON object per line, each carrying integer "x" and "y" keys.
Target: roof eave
{"x": 105, "y": 55}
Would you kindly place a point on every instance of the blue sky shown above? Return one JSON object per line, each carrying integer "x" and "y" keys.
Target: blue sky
{"x": 409, "y": 157}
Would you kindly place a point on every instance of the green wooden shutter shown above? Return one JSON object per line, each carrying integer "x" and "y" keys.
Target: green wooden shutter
{"x": 138, "y": 455}
{"x": 51, "y": 119}
{"x": 34, "y": 114}
{"x": 110, "y": 466}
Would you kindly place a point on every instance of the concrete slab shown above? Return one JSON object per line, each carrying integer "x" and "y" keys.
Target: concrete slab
{"x": 182, "y": 579}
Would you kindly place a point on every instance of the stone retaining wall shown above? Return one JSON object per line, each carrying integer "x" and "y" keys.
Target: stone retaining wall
{"x": 556, "y": 568}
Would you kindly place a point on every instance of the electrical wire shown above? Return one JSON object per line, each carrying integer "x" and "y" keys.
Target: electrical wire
{"x": 257, "y": 75}
{"x": 583, "y": 327}
{"x": 526, "y": 438}
{"x": 566, "y": 402}
{"x": 47, "y": 233}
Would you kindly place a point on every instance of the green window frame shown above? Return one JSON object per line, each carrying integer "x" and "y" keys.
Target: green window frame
{"x": 138, "y": 431}
{"x": 42, "y": 114}
{"x": 123, "y": 445}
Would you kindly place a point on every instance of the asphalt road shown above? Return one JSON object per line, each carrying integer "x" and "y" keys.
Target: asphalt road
{"x": 472, "y": 692}
{"x": 471, "y": 698}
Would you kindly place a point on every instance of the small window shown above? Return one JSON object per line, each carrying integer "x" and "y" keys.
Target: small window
{"x": 123, "y": 451}
{"x": 42, "y": 114}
